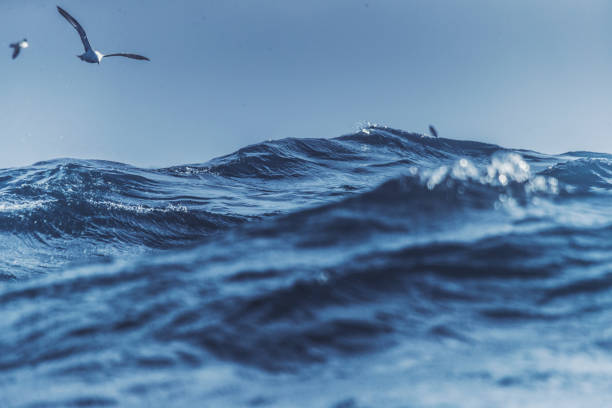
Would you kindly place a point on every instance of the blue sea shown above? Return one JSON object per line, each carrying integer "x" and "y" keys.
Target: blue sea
{"x": 377, "y": 269}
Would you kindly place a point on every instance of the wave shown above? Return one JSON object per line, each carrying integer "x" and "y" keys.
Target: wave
{"x": 584, "y": 174}
{"x": 112, "y": 208}
{"x": 311, "y": 265}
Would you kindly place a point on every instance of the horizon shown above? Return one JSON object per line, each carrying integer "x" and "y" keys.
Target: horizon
{"x": 369, "y": 126}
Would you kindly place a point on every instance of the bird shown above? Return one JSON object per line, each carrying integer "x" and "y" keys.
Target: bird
{"x": 90, "y": 55}
{"x": 433, "y": 131}
{"x": 18, "y": 46}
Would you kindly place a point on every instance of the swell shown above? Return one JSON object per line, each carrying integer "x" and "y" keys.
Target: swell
{"x": 417, "y": 243}
{"x": 584, "y": 174}
{"x": 56, "y": 212}
{"x": 363, "y": 245}
{"x": 100, "y": 209}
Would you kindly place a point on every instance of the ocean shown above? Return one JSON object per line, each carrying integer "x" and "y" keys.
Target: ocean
{"x": 377, "y": 269}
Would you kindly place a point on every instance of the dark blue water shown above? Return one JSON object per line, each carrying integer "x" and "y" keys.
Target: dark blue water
{"x": 377, "y": 269}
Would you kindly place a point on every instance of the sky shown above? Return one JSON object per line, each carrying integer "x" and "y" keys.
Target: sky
{"x": 533, "y": 74}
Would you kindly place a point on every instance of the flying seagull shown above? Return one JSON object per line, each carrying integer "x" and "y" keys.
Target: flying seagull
{"x": 433, "y": 131}
{"x": 18, "y": 46}
{"x": 90, "y": 55}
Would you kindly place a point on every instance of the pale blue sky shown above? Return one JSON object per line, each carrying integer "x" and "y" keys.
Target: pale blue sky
{"x": 226, "y": 73}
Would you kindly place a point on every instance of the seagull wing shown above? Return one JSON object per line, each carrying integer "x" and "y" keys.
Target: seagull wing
{"x": 132, "y": 56}
{"x": 16, "y": 49}
{"x": 77, "y": 26}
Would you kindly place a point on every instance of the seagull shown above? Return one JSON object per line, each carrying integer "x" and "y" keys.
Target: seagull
{"x": 433, "y": 131}
{"x": 18, "y": 46}
{"x": 90, "y": 55}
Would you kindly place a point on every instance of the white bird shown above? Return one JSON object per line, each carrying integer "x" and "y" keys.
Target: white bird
{"x": 18, "y": 46}
{"x": 90, "y": 55}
